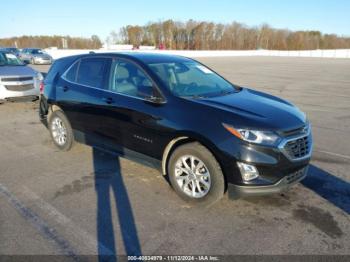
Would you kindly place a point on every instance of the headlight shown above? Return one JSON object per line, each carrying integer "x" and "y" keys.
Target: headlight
{"x": 39, "y": 76}
{"x": 254, "y": 136}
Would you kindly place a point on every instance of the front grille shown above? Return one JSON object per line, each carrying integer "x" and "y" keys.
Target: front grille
{"x": 16, "y": 79}
{"x": 42, "y": 58}
{"x": 19, "y": 87}
{"x": 296, "y": 175}
{"x": 298, "y": 148}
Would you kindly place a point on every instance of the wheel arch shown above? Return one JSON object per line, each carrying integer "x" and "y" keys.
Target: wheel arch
{"x": 169, "y": 148}
{"x": 53, "y": 108}
{"x": 184, "y": 139}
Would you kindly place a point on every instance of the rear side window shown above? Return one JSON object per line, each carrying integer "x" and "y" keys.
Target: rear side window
{"x": 92, "y": 71}
{"x": 58, "y": 67}
{"x": 71, "y": 74}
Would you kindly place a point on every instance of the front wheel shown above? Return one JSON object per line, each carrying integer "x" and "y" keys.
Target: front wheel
{"x": 195, "y": 174}
{"x": 61, "y": 131}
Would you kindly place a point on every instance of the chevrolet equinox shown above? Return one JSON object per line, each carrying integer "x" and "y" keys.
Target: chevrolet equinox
{"x": 174, "y": 113}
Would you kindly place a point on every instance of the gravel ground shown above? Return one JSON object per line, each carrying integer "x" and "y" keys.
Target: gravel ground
{"x": 86, "y": 202}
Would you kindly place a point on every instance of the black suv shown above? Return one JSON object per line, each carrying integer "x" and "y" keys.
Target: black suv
{"x": 206, "y": 134}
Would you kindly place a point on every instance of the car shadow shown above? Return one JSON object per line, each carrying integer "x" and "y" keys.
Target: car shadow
{"x": 108, "y": 183}
{"x": 328, "y": 186}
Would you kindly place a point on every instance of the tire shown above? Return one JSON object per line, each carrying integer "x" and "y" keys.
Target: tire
{"x": 61, "y": 131}
{"x": 208, "y": 178}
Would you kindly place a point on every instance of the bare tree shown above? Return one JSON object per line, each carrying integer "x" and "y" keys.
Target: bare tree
{"x": 52, "y": 41}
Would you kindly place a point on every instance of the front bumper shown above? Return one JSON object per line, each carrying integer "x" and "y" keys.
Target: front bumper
{"x": 279, "y": 167}
{"x": 41, "y": 61}
{"x": 16, "y": 91}
{"x": 237, "y": 191}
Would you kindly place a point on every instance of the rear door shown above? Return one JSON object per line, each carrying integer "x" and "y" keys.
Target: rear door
{"x": 79, "y": 93}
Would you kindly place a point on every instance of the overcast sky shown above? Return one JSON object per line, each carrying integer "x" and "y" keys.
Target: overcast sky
{"x": 85, "y": 18}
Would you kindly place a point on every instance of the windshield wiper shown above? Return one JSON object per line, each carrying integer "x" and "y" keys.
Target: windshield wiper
{"x": 225, "y": 92}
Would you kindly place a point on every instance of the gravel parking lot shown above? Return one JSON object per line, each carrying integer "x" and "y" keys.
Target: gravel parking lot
{"x": 86, "y": 202}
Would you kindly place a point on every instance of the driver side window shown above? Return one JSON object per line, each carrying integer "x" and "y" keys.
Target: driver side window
{"x": 128, "y": 79}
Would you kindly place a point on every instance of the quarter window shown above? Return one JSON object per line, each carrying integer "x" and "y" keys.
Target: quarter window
{"x": 71, "y": 74}
{"x": 129, "y": 79}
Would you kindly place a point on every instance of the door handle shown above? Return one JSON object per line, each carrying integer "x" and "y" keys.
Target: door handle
{"x": 108, "y": 100}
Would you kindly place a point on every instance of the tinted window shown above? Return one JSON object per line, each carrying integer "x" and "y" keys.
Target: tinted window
{"x": 58, "y": 68}
{"x": 37, "y": 51}
{"x": 91, "y": 71}
{"x": 71, "y": 75}
{"x": 129, "y": 79}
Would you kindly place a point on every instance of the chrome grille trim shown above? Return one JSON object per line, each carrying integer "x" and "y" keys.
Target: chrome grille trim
{"x": 297, "y": 147}
{"x": 17, "y": 79}
{"x": 19, "y": 88}
{"x": 292, "y": 132}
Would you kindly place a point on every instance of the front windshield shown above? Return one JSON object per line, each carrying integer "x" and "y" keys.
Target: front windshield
{"x": 8, "y": 59}
{"x": 191, "y": 79}
{"x": 12, "y": 50}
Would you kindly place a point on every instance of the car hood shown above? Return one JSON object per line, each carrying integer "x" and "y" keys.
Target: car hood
{"x": 253, "y": 109}
{"x": 16, "y": 71}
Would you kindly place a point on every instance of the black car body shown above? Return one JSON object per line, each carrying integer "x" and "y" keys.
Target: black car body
{"x": 149, "y": 127}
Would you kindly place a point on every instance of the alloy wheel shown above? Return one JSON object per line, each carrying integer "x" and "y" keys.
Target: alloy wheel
{"x": 59, "y": 131}
{"x": 192, "y": 176}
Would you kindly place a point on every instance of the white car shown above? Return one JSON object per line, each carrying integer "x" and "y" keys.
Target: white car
{"x": 16, "y": 79}
{"x": 35, "y": 56}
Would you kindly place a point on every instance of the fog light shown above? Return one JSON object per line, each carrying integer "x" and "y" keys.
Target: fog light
{"x": 248, "y": 172}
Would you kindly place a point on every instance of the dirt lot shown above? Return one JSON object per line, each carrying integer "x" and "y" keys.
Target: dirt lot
{"x": 87, "y": 202}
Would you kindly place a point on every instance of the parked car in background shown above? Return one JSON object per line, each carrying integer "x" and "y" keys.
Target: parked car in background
{"x": 17, "y": 80}
{"x": 35, "y": 56}
{"x": 12, "y": 50}
{"x": 175, "y": 113}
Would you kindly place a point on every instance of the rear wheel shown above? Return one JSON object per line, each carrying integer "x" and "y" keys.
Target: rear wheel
{"x": 61, "y": 131}
{"x": 195, "y": 174}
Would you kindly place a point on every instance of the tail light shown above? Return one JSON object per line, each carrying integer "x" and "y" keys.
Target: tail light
{"x": 41, "y": 87}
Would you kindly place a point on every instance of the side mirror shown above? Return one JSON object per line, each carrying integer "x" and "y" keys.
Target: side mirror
{"x": 155, "y": 99}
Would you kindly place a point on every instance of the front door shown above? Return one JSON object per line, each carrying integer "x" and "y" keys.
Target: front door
{"x": 131, "y": 118}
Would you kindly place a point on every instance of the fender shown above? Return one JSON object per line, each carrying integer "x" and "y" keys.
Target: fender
{"x": 167, "y": 151}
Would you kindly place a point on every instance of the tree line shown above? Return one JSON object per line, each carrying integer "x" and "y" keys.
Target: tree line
{"x": 193, "y": 35}
{"x": 201, "y": 35}
{"x": 52, "y": 41}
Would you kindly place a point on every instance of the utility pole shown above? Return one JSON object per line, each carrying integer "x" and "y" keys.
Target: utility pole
{"x": 64, "y": 43}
